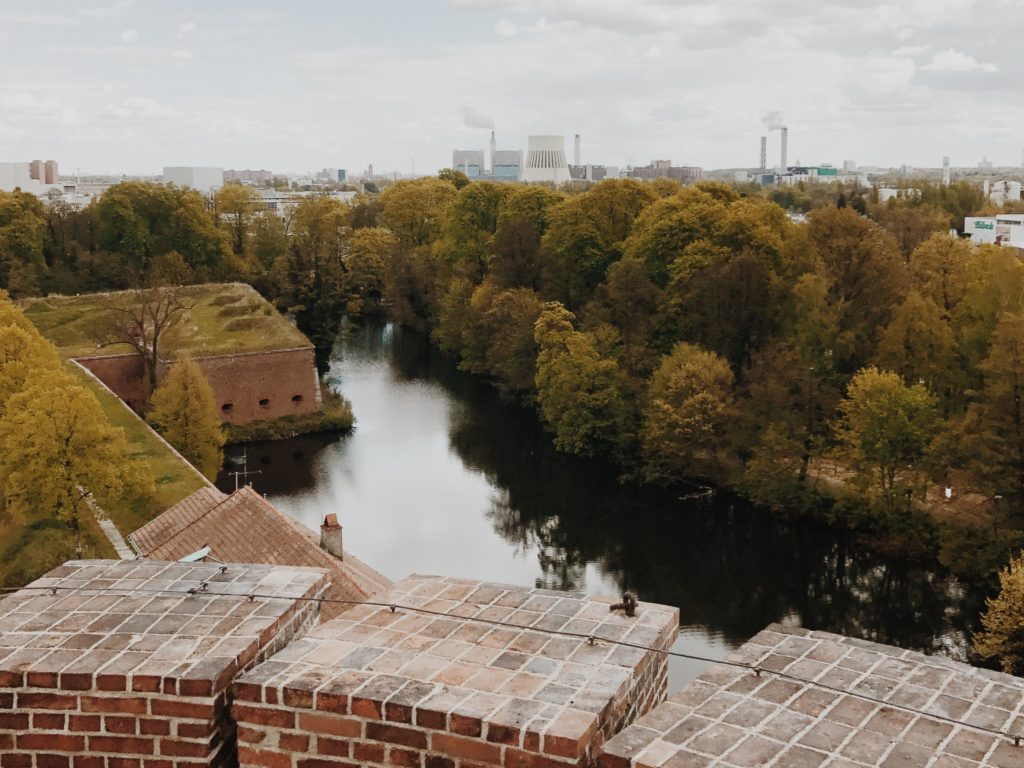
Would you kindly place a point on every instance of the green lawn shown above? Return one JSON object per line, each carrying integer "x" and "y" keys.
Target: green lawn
{"x": 222, "y": 318}
{"x": 175, "y": 478}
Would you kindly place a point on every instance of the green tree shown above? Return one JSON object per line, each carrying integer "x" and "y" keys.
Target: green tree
{"x": 414, "y": 210}
{"x": 689, "y": 407}
{"x": 369, "y": 251}
{"x": 58, "y": 449}
{"x": 456, "y": 178}
{"x": 1002, "y": 638}
{"x": 184, "y": 411}
{"x": 23, "y": 232}
{"x": 939, "y": 270}
{"x": 919, "y": 345}
{"x": 884, "y": 429}
{"x": 579, "y": 392}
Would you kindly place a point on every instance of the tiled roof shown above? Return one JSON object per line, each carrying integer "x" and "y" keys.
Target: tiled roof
{"x": 919, "y": 710}
{"x": 246, "y": 528}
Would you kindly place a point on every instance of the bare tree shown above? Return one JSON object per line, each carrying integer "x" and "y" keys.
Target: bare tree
{"x": 141, "y": 319}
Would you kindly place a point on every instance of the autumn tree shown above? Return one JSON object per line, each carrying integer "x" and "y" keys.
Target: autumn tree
{"x": 1002, "y": 638}
{"x": 414, "y": 209}
{"x": 184, "y": 411}
{"x": 22, "y": 238}
{"x": 236, "y": 206}
{"x": 579, "y": 391}
{"x": 919, "y": 345}
{"x": 685, "y": 419}
{"x": 58, "y": 449}
{"x": 884, "y": 429}
{"x": 369, "y": 251}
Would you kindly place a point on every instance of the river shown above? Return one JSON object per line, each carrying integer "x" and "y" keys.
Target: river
{"x": 441, "y": 476}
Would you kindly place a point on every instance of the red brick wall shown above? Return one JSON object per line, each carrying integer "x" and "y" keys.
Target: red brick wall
{"x": 278, "y": 377}
{"x": 286, "y": 379}
{"x": 121, "y": 373}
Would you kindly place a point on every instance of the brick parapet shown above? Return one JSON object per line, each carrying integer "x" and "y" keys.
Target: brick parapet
{"x": 376, "y": 687}
{"x": 123, "y": 667}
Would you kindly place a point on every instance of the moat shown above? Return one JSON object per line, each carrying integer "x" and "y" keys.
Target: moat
{"x": 443, "y": 477}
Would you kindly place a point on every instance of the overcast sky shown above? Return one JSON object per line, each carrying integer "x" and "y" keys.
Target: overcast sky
{"x": 300, "y": 85}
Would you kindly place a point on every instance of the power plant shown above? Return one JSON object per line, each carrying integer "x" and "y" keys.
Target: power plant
{"x": 545, "y": 160}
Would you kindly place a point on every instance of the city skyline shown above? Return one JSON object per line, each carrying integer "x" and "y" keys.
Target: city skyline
{"x": 128, "y": 88}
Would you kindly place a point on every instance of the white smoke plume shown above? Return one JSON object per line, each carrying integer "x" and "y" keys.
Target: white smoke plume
{"x": 474, "y": 119}
{"x": 773, "y": 121}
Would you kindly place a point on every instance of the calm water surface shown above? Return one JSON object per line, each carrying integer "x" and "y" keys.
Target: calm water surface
{"x": 442, "y": 477}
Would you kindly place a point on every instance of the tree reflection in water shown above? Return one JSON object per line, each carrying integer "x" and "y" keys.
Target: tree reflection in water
{"x": 729, "y": 568}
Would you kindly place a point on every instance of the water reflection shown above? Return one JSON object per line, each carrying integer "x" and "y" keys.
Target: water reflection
{"x": 441, "y": 476}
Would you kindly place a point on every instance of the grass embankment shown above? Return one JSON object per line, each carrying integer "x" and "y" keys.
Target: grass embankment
{"x": 28, "y": 550}
{"x": 221, "y": 318}
{"x": 174, "y": 477}
{"x": 335, "y": 416}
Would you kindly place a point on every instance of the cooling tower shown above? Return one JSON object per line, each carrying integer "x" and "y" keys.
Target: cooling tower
{"x": 545, "y": 160}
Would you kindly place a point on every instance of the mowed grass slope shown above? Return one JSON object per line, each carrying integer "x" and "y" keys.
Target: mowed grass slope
{"x": 222, "y": 318}
{"x": 174, "y": 477}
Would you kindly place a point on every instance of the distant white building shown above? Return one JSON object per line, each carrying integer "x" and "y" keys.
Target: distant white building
{"x": 19, "y": 176}
{"x": 1005, "y": 229}
{"x": 1002, "y": 192}
{"x": 200, "y": 178}
{"x": 545, "y": 160}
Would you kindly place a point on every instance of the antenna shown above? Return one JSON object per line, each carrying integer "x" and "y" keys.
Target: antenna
{"x": 245, "y": 471}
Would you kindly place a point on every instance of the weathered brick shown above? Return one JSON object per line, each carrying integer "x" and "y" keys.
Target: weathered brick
{"x": 333, "y": 747}
{"x": 155, "y": 727}
{"x": 42, "y": 679}
{"x": 84, "y": 723}
{"x": 293, "y": 742}
{"x": 122, "y": 744}
{"x": 16, "y": 761}
{"x": 45, "y": 760}
{"x": 407, "y": 758}
{"x": 176, "y": 748}
{"x": 251, "y": 756}
{"x": 368, "y": 752}
{"x": 47, "y": 701}
{"x": 45, "y": 721}
{"x": 468, "y": 749}
{"x": 115, "y": 704}
{"x": 394, "y": 734}
{"x": 178, "y": 708}
{"x": 30, "y": 742}
{"x": 120, "y": 725}
{"x": 330, "y": 724}
{"x": 88, "y": 761}
{"x": 264, "y": 716}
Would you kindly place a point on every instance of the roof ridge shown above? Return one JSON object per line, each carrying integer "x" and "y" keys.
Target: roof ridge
{"x": 196, "y": 519}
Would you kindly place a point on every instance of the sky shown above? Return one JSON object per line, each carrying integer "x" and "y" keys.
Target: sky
{"x": 128, "y": 86}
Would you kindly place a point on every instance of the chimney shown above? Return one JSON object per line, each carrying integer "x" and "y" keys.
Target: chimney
{"x": 330, "y": 536}
{"x": 764, "y": 153}
{"x": 494, "y": 148}
{"x": 784, "y": 133}
{"x": 576, "y": 151}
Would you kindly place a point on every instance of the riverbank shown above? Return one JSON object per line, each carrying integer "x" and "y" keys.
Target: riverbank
{"x": 335, "y": 415}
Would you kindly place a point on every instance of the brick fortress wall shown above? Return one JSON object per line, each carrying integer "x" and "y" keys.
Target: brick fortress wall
{"x": 248, "y": 386}
{"x": 124, "y": 668}
{"x": 382, "y": 688}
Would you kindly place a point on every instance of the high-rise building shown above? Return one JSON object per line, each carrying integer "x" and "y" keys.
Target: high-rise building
{"x": 50, "y": 172}
{"x": 36, "y": 170}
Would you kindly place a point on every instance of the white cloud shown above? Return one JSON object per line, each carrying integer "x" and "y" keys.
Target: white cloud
{"x": 107, "y": 11}
{"x": 955, "y": 61}
{"x": 129, "y": 35}
{"x": 506, "y": 28}
{"x": 911, "y": 50}
{"x": 186, "y": 29}
{"x": 38, "y": 19}
{"x": 181, "y": 54}
{"x": 136, "y": 107}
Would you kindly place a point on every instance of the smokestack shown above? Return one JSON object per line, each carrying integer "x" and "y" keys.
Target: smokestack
{"x": 576, "y": 151}
{"x": 494, "y": 148}
{"x": 784, "y": 133}
{"x": 945, "y": 170}
{"x": 330, "y": 536}
{"x": 764, "y": 153}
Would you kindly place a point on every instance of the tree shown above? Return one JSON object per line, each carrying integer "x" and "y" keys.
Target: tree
{"x": 1002, "y": 638}
{"x": 369, "y": 251}
{"x": 456, "y": 178}
{"x": 22, "y": 237}
{"x": 884, "y": 429}
{"x": 919, "y": 345}
{"x": 184, "y": 411}
{"x": 58, "y": 449}
{"x": 939, "y": 270}
{"x": 992, "y": 432}
{"x": 236, "y": 205}
{"x": 142, "y": 319}
{"x": 579, "y": 392}
{"x": 414, "y": 209}
{"x": 689, "y": 405}
{"x": 516, "y": 248}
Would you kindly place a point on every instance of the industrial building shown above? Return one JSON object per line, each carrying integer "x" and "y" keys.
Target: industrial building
{"x": 35, "y": 176}
{"x": 545, "y": 160}
{"x": 469, "y": 161}
{"x": 506, "y": 164}
{"x": 200, "y": 178}
{"x": 256, "y": 178}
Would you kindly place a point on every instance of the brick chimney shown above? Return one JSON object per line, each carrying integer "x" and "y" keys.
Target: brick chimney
{"x": 330, "y": 536}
